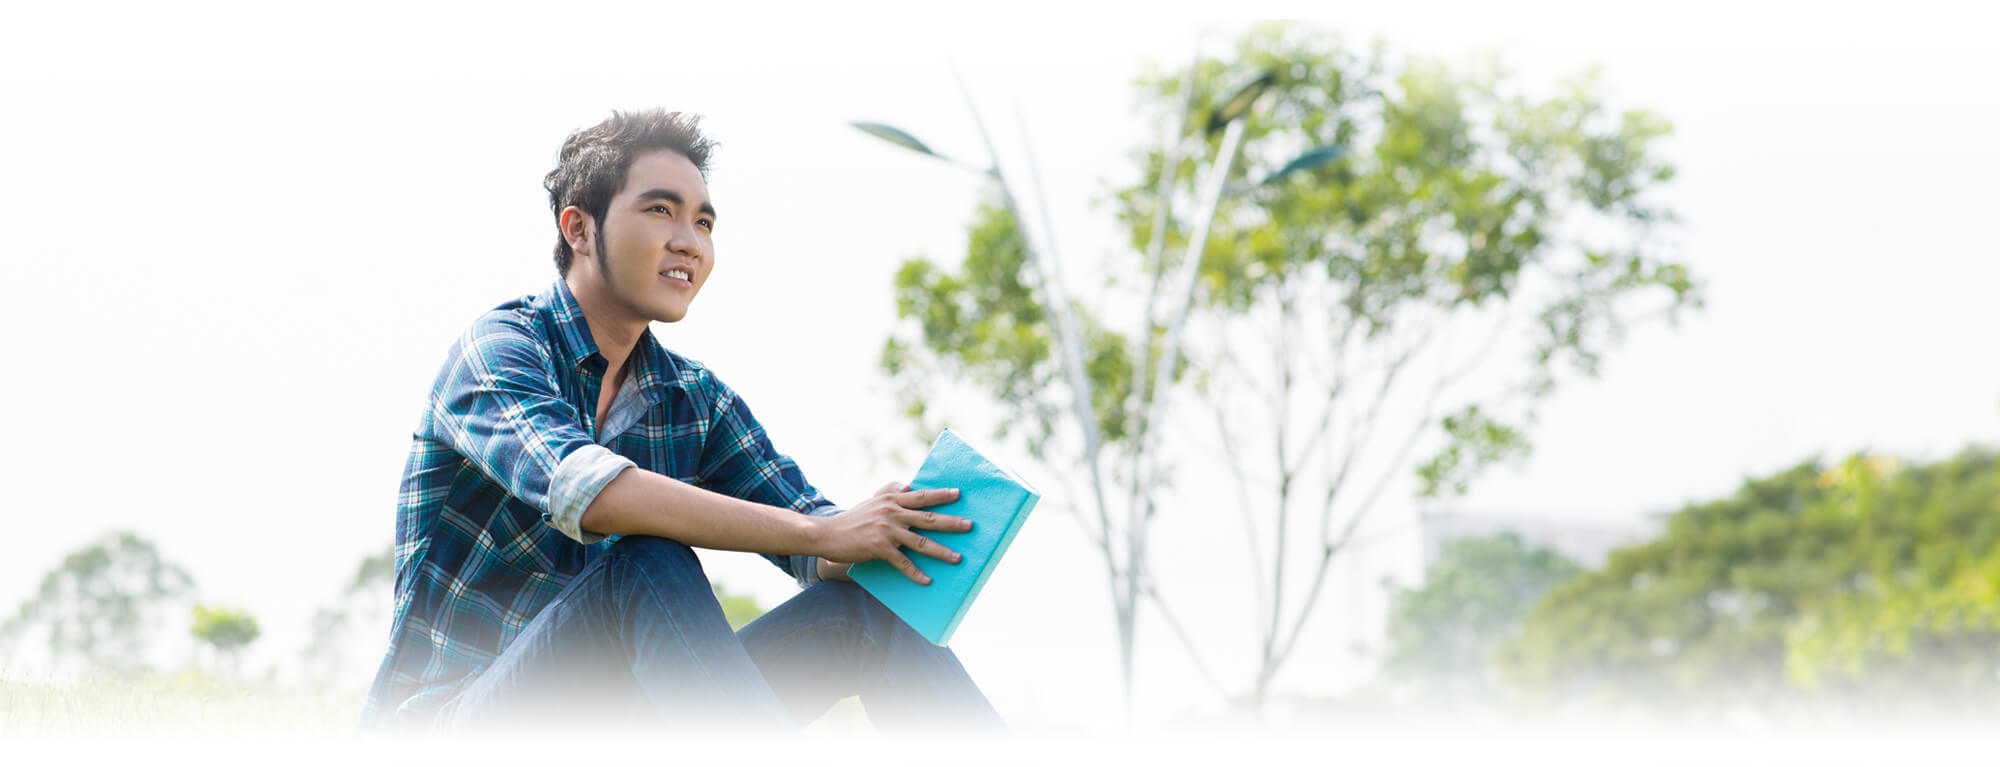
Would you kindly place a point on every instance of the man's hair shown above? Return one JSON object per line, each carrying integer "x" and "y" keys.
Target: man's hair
{"x": 591, "y": 168}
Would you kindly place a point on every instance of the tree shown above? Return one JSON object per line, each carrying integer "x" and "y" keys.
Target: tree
{"x": 1442, "y": 635}
{"x": 99, "y": 606}
{"x": 1867, "y": 585}
{"x": 363, "y": 604}
{"x": 226, "y": 630}
{"x": 1328, "y": 287}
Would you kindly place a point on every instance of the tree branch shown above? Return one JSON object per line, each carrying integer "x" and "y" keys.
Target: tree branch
{"x": 1187, "y": 641}
{"x": 1097, "y": 535}
{"x": 1339, "y": 386}
{"x": 1366, "y": 430}
{"x": 1331, "y": 548}
{"x": 1281, "y": 353}
{"x": 1485, "y": 349}
{"x": 1243, "y": 506}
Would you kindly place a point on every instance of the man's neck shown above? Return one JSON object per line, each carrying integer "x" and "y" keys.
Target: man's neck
{"x": 616, "y": 335}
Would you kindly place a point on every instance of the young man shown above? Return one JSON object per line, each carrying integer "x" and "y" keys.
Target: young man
{"x": 565, "y": 464}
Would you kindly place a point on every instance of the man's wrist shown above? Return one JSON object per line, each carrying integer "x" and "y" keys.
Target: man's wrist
{"x": 813, "y": 534}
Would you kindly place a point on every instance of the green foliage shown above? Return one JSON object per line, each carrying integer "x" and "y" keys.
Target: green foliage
{"x": 1457, "y": 190}
{"x": 227, "y": 629}
{"x": 1444, "y": 634}
{"x": 1460, "y": 193}
{"x": 984, "y": 324}
{"x": 99, "y": 604}
{"x": 1474, "y": 440}
{"x": 1865, "y": 580}
{"x": 740, "y": 609}
{"x": 1932, "y": 629}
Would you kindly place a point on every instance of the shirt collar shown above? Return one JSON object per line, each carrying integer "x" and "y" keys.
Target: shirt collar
{"x": 655, "y": 370}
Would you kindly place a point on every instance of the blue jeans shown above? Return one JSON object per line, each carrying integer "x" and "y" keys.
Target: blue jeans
{"x": 638, "y": 640}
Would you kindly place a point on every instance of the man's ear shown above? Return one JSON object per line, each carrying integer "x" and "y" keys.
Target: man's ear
{"x": 577, "y": 230}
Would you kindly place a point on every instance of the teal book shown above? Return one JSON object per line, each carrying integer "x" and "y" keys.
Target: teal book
{"x": 996, "y": 500}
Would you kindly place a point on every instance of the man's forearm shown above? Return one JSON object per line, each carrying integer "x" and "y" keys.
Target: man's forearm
{"x": 640, "y": 502}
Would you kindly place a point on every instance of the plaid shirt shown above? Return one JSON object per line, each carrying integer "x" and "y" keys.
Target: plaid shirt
{"x": 502, "y": 464}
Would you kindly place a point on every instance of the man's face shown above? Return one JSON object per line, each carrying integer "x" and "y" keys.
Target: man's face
{"x": 657, "y": 244}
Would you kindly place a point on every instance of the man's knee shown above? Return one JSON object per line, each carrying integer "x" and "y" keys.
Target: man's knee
{"x": 657, "y": 556}
{"x": 862, "y": 607}
{"x": 666, "y": 579}
{"x": 847, "y": 595}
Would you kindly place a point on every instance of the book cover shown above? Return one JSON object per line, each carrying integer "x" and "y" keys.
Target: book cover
{"x": 996, "y": 500}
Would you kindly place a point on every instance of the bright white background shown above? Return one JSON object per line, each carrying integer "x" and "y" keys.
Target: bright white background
{"x": 238, "y": 240}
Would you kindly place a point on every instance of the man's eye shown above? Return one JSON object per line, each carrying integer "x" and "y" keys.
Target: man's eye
{"x": 707, "y": 224}
{"x": 661, "y": 208}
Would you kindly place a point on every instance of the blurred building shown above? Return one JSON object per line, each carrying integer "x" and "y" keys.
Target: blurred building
{"x": 1586, "y": 539}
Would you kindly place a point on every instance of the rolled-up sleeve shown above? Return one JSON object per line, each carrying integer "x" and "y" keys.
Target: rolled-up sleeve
{"x": 578, "y": 480}
{"x": 497, "y": 405}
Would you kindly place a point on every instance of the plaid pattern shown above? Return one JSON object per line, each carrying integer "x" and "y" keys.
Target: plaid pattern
{"x": 476, "y": 557}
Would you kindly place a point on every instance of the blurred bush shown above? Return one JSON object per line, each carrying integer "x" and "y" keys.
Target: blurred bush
{"x": 1442, "y": 635}
{"x": 1867, "y": 586}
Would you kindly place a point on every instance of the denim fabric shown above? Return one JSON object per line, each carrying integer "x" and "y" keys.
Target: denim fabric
{"x": 637, "y": 643}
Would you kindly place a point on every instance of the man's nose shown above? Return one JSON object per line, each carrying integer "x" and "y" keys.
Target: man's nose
{"x": 685, "y": 243}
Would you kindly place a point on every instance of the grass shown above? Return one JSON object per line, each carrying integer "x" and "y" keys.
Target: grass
{"x": 181, "y": 703}
{"x": 197, "y": 704}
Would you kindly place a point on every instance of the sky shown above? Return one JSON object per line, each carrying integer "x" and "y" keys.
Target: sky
{"x": 242, "y": 238}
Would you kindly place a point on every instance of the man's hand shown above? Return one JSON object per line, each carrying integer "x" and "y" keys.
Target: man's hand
{"x": 875, "y": 528}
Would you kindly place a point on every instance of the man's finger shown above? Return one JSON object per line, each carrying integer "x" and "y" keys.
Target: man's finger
{"x": 893, "y": 487}
{"x": 909, "y": 568}
{"x": 929, "y": 548}
{"x": 930, "y": 497}
{"x": 931, "y": 520}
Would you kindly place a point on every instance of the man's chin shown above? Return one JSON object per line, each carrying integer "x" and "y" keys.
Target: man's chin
{"x": 669, "y": 314}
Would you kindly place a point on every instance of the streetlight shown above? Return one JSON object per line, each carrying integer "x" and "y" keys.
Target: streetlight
{"x": 896, "y": 136}
{"x": 1239, "y": 103}
{"x": 1311, "y": 159}
{"x": 1229, "y": 117}
{"x": 1231, "y": 114}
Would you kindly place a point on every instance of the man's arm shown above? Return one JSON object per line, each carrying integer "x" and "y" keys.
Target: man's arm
{"x": 640, "y": 502}
{"x": 738, "y": 460}
{"x": 637, "y": 500}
